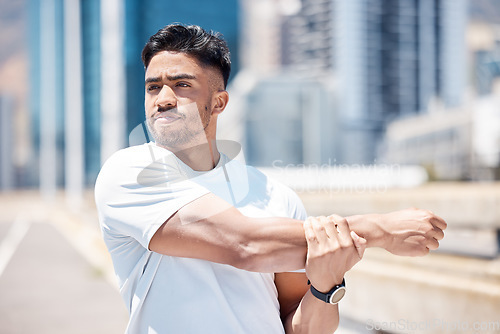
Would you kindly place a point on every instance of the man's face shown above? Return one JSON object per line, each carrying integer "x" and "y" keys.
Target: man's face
{"x": 178, "y": 100}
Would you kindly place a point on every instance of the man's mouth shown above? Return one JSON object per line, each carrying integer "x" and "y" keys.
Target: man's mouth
{"x": 166, "y": 117}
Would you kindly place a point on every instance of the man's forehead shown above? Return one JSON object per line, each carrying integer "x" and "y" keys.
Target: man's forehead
{"x": 164, "y": 60}
{"x": 174, "y": 65}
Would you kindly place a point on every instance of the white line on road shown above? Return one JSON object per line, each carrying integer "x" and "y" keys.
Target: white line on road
{"x": 14, "y": 236}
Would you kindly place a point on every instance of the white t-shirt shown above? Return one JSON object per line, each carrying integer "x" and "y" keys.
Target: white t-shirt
{"x": 137, "y": 190}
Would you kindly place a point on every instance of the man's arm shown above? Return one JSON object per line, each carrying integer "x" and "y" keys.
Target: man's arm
{"x": 332, "y": 251}
{"x": 211, "y": 229}
{"x": 408, "y": 232}
{"x": 293, "y": 291}
{"x": 398, "y": 232}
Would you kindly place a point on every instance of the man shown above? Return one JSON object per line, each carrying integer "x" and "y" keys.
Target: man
{"x": 203, "y": 243}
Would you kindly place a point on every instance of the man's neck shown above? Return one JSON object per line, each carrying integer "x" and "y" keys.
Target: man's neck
{"x": 200, "y": 158}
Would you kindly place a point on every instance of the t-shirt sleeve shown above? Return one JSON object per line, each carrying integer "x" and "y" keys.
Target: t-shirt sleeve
{"x": 296, "y": 207}
{"x": 298, "y": 211}
{"x": 136, "y": 192}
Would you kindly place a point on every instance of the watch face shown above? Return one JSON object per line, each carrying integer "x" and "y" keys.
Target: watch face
{"x": 337, "y": 295}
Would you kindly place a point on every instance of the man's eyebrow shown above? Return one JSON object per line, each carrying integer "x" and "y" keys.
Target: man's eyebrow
{"x": 152, "y": 79}
{"x": 171, "y": 77}
{"x": 180, "y": 76}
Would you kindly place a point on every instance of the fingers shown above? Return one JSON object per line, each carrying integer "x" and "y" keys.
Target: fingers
{"x": 438, "y": 222}
{"x": 430, "y": 240}
{"x": 319, "y": 226}
{"x": 359, "y": 243}
{"x": 335, "y": 230}
{"x": 433, "y": 230}
{"x": 331, "y": 250}
{"x": 436, "y": 233}
{"x": 432, "y": 244}
{"x": 340, "y": 223}
{"x": 326, "y": 229}
{"x": 309, "y": 232}
{"x": 344, "y": 232}
{"x": 331, "y": 225}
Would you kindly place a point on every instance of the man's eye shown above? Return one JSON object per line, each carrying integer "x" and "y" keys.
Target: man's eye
{"x": 152, "y": 88}
{"x": 182, "y": 84}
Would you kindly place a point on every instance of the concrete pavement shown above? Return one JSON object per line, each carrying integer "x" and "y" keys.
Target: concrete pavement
{"x": 46, "y": 285}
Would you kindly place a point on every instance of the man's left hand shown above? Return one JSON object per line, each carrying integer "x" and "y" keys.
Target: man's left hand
{"x": 332, "y": 250}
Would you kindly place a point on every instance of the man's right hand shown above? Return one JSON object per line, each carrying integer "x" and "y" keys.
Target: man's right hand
{"x": 408, "y": 232}
{"x": 332, "y": 250}
{"x": 411, "y": 232}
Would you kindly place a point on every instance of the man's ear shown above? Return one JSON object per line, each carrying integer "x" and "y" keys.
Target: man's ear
{"x": 221, "y": 100}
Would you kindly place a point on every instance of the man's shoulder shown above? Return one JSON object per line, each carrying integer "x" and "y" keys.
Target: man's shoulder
{"x": 120, "y": 164}
{"x": 276, "y": 187}
{"x": 279, "y": 194}
{"x": 256, "y": 174}
{"x": 139, "y": 155}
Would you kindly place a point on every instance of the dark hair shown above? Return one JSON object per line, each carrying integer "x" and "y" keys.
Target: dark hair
{"x": 209, "y": 48}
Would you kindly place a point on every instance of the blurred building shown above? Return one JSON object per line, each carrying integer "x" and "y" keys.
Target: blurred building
{"x": 441, "y": 141}
{"x": 14, "y": 96}
{"x": 459, "y": 143}
{"x": 261, "y": 35}
{"x": 7, "y": 169}
{"x": 385, "y": 59}
{"x": 452, "y": 144}
{"x": 87, "y": 78}
{"x": 483, "y": 41}
{"x": 286, "y": 122}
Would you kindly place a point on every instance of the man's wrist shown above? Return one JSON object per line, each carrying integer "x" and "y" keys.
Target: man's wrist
{"x": 369, "y": 227}
{"x": 332, "y": 296}
{"x": 324, "y": 288}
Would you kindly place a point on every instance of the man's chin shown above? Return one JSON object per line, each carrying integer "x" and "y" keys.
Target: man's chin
{"x": 171, "y": 141}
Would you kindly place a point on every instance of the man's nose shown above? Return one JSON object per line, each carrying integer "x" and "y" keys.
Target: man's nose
{"x": 166, "y": 97}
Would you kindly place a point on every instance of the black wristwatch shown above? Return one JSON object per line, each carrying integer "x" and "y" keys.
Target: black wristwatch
{"x": 331, "y": 297}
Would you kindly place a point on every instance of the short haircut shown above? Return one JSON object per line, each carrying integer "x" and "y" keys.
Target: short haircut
{"x": 209, "y": 48}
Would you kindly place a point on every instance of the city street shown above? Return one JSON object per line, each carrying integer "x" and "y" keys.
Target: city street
{"x": 46, "y": 286}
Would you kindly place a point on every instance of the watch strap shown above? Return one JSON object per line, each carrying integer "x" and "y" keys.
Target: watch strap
{"x": 326, "y": 296}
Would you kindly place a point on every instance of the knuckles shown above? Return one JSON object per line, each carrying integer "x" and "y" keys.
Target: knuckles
{"x": 426, "y": 228}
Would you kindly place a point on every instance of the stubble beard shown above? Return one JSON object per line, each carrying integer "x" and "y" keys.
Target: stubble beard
{"x": 187, "y": 135}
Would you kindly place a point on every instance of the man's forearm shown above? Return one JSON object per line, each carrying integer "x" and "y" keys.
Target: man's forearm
{"x": 281, "y": 240}
{"x": 274, "y": 244}
{"x": 312, "y": 316}
{"x": 368, "y": 226}
{"x": 279, "y": 243}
